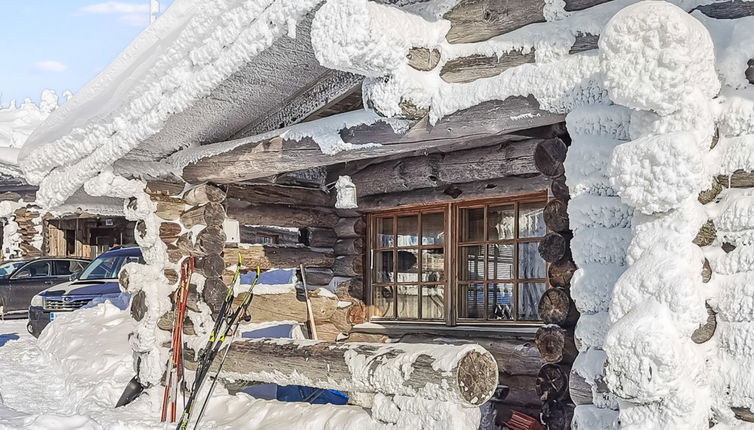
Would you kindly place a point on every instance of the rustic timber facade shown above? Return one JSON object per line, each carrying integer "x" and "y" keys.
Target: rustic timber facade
{"x": 491, "y": 208}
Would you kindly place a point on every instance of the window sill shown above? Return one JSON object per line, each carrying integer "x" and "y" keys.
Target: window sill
{"x": 395, "y": 329}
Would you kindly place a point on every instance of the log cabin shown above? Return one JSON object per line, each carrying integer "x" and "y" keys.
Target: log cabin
{"x": 446, "y": 172}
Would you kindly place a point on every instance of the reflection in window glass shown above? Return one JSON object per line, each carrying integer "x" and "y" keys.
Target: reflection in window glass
{"x": 433, "y": 302}
{"x": 530, "y": 293}
{"x": 385, "y": 238}
{"x": 501, "y": 222}
{"x": 472, "y": 224}
{"x": 472, "y": 263}
{"x": 408, "y": 265}
{"x": 433, "y": 227}
{"x": 408, "y": 301}
{"x": 408, "y": 230}
{"x": 471, "y": 300}
{"x": 383, "y": 302}
{"x": 500, "y": 301}
{"x": 530, "y": 263}
{"x": 383, "y": 266}
{"x": 500, "y": 261}
{"x": 531, "y": 222}
{"x": 433, "y": 265}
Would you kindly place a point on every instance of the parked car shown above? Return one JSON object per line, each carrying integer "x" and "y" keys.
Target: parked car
{"x": 20, "y": 280}
{"x": 96, "y": 283}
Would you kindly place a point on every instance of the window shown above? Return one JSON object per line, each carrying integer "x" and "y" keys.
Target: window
{"x": 67, "y": 267}
{"x": 37, "y": 269}
{"x": 463, "y": 262}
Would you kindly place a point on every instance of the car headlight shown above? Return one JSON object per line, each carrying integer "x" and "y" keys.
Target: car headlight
{"x": 37, "y": 301}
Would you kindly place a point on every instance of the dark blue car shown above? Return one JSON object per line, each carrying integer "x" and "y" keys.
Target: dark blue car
{"x": 96, "y": 283}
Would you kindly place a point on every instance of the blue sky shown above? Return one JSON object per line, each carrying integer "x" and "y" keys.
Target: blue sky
{"x": 62, "y": 44}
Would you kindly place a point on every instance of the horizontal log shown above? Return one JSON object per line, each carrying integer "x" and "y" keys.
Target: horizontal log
{"x": 473, "y": 67}
{"x": 743, "y": 414}
{"x": 280, "y": 215}
{"x": 549, "y": 156}
{"x": 556, "y": 307}
{"x": 423, "y": 59}
{"x": 561, "y": 272}
{"x": 441, "y": 169}
{"x": 349, "y": 246}
{"x": 467, "y": 374}
{"x": 318, "y": 275}
{"x": 170, "y": 209}
{"x": 350, "y": 228}
{"x": 555, "y": 246}
{"x": 280, "y": 195}
{"x": 255, "y": 157}
{"x": 290, "y": 306}
{"x": 738, "y": 179}
{"x": 552, "y": 382}
{"x": 203, "y": 194}
{"x": 477, "y": 20}
{"x": 584, "y": 42}
{"x": 164, "y": 188}
{"x": 555, "y": 344}
{"x": 479, "y": 189}
{"x": 318, "y": 237}
{"x": 579, "y": 390}
{"x": 278, "y": 257}
{"x": 556, "y": 215}
{"x": 732, "y": 9}
{"x": 210, "y": 214}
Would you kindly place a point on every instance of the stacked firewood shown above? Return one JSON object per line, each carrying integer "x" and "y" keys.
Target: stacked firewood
{"x": 555, "y": 340}
{"x": 29, "y": 230}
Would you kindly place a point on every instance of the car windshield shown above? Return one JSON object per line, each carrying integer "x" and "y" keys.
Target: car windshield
{"x": 107, "y": 266}
{"x": 7, "y": 269}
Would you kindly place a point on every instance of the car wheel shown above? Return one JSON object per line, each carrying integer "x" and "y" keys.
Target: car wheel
{"x": 30, "y": 329}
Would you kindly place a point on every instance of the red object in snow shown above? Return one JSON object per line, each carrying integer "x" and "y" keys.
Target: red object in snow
{"x": 519, "y": 421}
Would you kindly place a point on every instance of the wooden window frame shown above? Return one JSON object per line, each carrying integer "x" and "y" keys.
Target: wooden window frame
{"x": 451, "y": 246}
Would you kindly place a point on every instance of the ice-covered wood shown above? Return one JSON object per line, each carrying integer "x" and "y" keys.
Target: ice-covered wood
{"x": 584, "y": 42}
{"x": 738, "y": 179}
{"x": 278, "y": 155}
{"x": 476, "y": 20}
{"x": 556, "y": 307}
{"x": 268, "y": 257}
{"x": 473, "y": 67}
{"x": 707, "y": 234}
{"x": 138, "y": 305}
{"x": 460, "y": 374}
{"x": 706, "y": 330}
{"x": 210, "y": 214}
{"x": 555, "y": 344}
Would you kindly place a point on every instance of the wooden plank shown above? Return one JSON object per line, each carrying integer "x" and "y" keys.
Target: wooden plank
{"x": 439, "y": 169}
{"x": 279, "y": 195}
{"x": 728, "y": 10}
{"x": 473, "y": 67}
{"x": 571, "y": 5}
{"x": 278, "y": 155}
{"x": 477, "y": 20}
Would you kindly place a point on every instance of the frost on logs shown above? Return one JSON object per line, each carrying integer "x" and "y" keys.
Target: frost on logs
{"x": 659, "y": 61}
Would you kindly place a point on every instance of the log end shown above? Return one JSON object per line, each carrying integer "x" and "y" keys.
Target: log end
{"x": 477, "y": 377}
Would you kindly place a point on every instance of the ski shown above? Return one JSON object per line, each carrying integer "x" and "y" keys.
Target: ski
{"x": 206, "y": 354}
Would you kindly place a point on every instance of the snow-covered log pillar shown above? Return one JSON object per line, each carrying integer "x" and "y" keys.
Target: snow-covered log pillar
{"x": 659, "y": 373}
{"x": 464, "y": 375}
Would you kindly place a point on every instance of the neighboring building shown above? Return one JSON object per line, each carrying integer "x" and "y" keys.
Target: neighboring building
{"x": 518, "y": 184}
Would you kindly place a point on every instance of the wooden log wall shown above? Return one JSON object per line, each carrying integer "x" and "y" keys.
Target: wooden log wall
{"x": 556, "y": 341}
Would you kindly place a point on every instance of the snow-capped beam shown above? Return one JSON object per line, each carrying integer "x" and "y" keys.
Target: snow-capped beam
{"x": 258, "y": 159}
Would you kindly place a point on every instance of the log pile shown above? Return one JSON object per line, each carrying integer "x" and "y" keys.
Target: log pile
{"x": 29, "y": 231}
{"x": 556, "y": 341}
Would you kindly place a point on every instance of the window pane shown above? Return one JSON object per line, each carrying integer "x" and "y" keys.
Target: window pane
{"x": 433, "y": 265}
{"x": 433, "y": 229}
{"x": 529, "y": 295}
{"x": 385, "y": 232}
{"x": 531, "y": 222}
{"x": 408, "y": 301}
{"x": 383, "y": 267}
{"x": 500, "y": 261}
{"x": 472, "y": 224}
{"x": 408, "y": 230}
{"x": 501, "y": 222}
{"x": 530, "y": 263}
{"x": 433, "y": 302}
{"x": 408, "y": 265}
{"x": 500, "y": 301}
{"x": 472, "y": 263}
{"x": 383, "y": 302}
{"x": 471, "y": 301}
